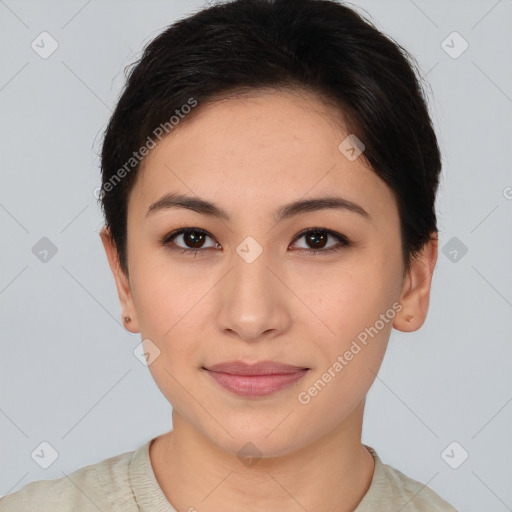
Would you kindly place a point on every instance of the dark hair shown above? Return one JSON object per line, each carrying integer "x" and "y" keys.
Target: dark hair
{"x": 314, "y": 45}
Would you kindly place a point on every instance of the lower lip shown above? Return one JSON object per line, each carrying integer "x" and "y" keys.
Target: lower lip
{"x": 256, "y": 385}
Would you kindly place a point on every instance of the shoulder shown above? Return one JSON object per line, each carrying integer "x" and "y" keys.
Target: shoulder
{"x": 87, "y": 489}
{"x": 389, "y": 485}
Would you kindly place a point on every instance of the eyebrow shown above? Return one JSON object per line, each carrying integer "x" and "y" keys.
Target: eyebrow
{"x": 170, "y": 201}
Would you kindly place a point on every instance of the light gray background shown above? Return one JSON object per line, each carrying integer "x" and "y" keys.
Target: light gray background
{"x": 68, "y": 373}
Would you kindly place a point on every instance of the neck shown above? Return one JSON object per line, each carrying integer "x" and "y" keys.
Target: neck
{"x": 332, "y": 473}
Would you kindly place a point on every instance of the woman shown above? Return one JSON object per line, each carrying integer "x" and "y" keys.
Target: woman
{"x": 268, "y": 183}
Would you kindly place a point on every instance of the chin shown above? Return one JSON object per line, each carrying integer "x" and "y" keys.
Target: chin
{"x": 258, "y": 442}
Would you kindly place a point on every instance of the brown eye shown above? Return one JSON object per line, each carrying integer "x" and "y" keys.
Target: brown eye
{"x": 317, "y": 240}
{"x": 188, "y": 240}
{"x": 194, "y": 239}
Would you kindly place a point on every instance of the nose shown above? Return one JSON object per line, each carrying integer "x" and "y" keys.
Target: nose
{"x": 254, "y": 302}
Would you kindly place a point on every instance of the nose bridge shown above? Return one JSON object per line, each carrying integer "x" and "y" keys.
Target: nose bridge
{"x": 251, "y": 302}
{"x": 251, "y": 274}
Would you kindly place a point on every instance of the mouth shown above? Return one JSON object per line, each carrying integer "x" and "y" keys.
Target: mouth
{"x": 256, "y": 379}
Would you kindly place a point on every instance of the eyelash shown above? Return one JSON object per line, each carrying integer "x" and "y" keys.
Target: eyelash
{"x": 344, "y": 242}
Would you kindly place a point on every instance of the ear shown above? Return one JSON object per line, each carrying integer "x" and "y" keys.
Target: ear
{"x": 122, "y": 282}
{"x": 415, "y": 294}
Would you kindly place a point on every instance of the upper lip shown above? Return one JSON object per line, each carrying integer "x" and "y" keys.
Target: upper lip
{"x": 258, "y": 368}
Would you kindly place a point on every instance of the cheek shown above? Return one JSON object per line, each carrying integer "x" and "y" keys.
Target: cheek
{"x": 163, "y": 294}
{"x": 350, "y": 359}
{"x": 359, "y": 306}
{"x": 170, "y": 308}
{"x": 352, "y": 299}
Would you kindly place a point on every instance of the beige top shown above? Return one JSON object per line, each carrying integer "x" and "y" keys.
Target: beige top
{"x": 127, "y": 483}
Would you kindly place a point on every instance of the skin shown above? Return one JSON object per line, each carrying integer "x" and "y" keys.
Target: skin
{"x": 251, "y": 155}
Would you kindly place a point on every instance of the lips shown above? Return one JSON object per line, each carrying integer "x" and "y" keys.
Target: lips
{"x": 256, "y": 379}
{"x": 260, "y": 368}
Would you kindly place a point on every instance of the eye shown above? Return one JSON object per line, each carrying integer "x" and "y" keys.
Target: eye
{"x": 318, "y": 238}
{"x": 192, "y": 238}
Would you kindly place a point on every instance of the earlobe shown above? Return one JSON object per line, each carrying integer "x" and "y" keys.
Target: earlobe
{"x": 416, "y": 289}
{"x": 122, "y": 282}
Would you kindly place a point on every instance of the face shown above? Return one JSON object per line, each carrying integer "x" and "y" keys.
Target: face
{"x": 301, "y": 286}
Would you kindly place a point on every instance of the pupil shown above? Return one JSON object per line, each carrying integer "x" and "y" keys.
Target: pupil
{"x": 195, "y": 238}
{"x": 315, "y": 236}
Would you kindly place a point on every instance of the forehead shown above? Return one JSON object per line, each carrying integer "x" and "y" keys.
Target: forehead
{"x": 260, "y": 151}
